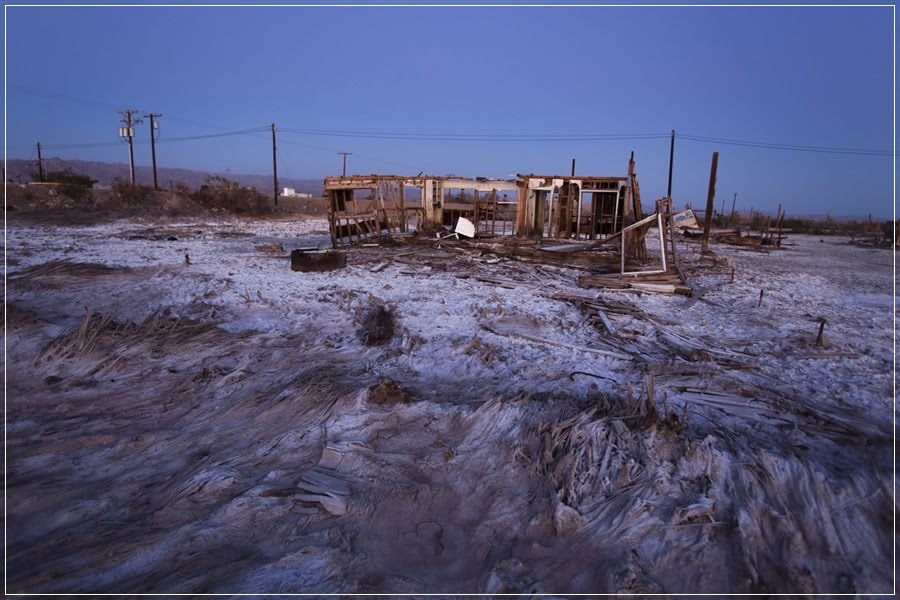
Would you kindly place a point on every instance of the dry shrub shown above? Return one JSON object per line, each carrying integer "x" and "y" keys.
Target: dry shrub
{"x": 65, "y": 268}
{"x": 225, "y": 194}
{"x": 270, "y": 248}
{"x": 386, "y": 391}
{"x": 378, "y": 325}
{"x": 132, "y": 195}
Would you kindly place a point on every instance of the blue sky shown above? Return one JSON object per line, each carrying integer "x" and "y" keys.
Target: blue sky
{"x": 807, "y": 76}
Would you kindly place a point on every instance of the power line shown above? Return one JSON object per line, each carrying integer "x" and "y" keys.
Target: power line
{"x": 581, "y": 138}
{"x": 283, "y": 165}
{"x": 158, "y": 141}
{"x": 497, "y": 138}
{"x": 463, "y": 137}
{"x": 365, "y": 157}
{"x": 84, "y": 145}
{"x": 214, "y": 135}
{"x": 791, "y": 147}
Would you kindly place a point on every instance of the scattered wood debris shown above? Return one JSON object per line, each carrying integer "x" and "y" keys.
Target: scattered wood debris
{"x": 662, "y": 283}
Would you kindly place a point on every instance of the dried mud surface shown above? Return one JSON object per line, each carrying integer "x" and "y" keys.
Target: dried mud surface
{"x": 223, "y": 426}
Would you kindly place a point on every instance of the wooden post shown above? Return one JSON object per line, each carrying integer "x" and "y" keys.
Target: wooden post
{"x": 332, "y": 216}
{"x": 493, "y": 203}
{"x": 375, "y": 197}
{"x": 777, "y": 220}
{"x": 820, "y": 338}
{"x": 670, "y": 212}
{"x": 711, "y": 194}
{"x": 402, "y": 195}
{"x": 758, "y": 304}
{"x": 780, "y": 223}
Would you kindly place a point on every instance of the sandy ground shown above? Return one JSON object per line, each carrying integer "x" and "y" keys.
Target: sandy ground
{"x": 185, "y": 414}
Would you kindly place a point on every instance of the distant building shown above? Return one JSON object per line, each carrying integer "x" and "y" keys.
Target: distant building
{"x": 292, "y": 193}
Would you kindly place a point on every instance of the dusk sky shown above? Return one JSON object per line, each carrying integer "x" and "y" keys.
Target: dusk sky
{"x": 819, "y": 77}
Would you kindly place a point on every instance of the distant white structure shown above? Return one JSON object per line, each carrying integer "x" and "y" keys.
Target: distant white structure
{"x": 292, "y": 193}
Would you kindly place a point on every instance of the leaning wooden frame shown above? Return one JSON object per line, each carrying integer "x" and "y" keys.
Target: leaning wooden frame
{"x": 643, "y": 225}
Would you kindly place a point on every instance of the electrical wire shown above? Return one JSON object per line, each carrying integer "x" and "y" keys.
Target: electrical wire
{"x": 290, "y": 142}
{"x": 211, "y": 135}
{"x": 791, "y": 147}
{"x": 283, "y": 166}
{"x": 496, "y": 138}
{"x": 466, "y": 137}
{"x": 85, "y": 145}
{"x": 158, "y": 140}
{"x": 582, "y": 137}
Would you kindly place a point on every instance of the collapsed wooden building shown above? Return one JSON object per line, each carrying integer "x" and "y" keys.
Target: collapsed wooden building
{"x": 572, "y": 212}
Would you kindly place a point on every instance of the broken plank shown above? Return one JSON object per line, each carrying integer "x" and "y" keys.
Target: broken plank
{"x": 608, "y": 282}
{"x": 565, "y": 248}
{"x": 605, "y": 320}
{"x": 654, "y": 287}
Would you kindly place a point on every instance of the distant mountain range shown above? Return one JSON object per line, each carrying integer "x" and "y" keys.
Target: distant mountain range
{"x": 106, "y": 173}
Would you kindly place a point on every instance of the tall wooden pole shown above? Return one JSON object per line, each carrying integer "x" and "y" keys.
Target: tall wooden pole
{"x": 344, "y": 167}
{"x": 40, "y": 162}
{"x": 274, "y": 168}
{"x": 671, "y": 160}
{"x": 153, "y": 117}
{"x": 131, "y": 155}
{"x": 129, "y": 120}
{"x": 707, "y": 221}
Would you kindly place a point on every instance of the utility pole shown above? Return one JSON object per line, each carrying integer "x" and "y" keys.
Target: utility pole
{"x": 274, "y": 168}
{"x": 344, "y": 170}
{"x": 40, "y": 163}
{"x": 671, "y": 160}
{"x": 129, "y": 120}
{"x": 707, "y": 221}
{"x": 153, "y": 126}
{"x": 733, "y": 204}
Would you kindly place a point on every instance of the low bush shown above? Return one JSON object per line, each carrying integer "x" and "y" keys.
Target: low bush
{"x": 132, "y": 194}
{"x": 225, "y": 194}
{"x": 72, "y": 185}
